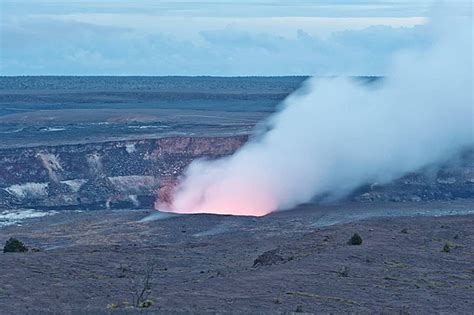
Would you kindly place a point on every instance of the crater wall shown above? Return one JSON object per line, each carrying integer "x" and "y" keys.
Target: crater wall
{"x": 133, "y": 173}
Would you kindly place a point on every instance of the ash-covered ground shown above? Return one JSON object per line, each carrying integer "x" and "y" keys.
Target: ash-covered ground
{"x": 85, "y": 159}
{"x": 293, "y": 261}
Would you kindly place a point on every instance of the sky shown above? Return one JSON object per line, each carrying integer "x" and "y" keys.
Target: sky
{"x": 225, "y": 37}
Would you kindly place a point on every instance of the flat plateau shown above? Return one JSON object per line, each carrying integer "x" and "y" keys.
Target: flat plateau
{"x": 298, "y": 260}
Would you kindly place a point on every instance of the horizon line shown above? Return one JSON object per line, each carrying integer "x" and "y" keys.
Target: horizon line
{"x": 187, "y": 76}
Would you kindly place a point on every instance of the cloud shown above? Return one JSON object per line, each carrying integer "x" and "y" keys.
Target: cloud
{"x": 361, "y": 52}
{"x": 225, "y": 8}
{"x": 50, "y": 46}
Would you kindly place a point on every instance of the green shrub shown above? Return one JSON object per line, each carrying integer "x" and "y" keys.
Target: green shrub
{"x": 112, "y": 306}
{"x": 145, "y": 304}
{"x": 299, "y": 309}
{"x": 344, "y": 272}
{"x": 356, "y": 239}
{"x": 446, "y": 248}
{"x": 14, "y": 246}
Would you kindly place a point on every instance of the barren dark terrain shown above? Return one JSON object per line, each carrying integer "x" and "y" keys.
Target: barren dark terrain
{"x": 69, "y": 110}
{"x": 83, "y": 160}
{"x": 289, "y": 261}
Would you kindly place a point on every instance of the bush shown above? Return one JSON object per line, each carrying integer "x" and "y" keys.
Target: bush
{"x": 268, "y": 258}
{"x": 14, "y": 246}
{"x": 145, "y": 304}
{"x": 356, "y": 239}
{"x": 142, "y": 289}
{"x": 344, "y": 272}
{"x": 446, "y": 248}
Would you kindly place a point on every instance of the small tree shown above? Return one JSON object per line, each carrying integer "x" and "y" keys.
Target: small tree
{"x": 141, "y": 290}
{"x": 356, "y": 239}
{"x": 14, "y": 246}
{"x": 446, "y": 248}
{"x": 344, "y": 272}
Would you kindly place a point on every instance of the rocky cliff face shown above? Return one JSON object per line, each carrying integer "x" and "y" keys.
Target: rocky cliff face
{"x": 117, "y": 174}
{"x": 453, "y": 180}
{"x": 133, "y": 173}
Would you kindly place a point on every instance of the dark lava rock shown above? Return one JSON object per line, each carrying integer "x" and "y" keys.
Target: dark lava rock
{"x": 450, "y": 181}
{"x": 90, "y": 174}
{"x": 165, "y": 192}
{"x": 58, "y": 189}
{"x": 356, "y": 239}
{"x": 269, "y": 258}
{"x": 14, "y": 246}
{"x": 95, "y": 189}
{"x": 7, "y": 200}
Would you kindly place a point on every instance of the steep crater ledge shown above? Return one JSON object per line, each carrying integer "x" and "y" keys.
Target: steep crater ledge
{"x": 133, "y": 173}
{"x": 108, "y": 175}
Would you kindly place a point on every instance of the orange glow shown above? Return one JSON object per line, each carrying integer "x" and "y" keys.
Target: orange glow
{"x": 222, "y": 204}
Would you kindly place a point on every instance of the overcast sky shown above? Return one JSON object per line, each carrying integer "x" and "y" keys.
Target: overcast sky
{"x": 153, "y": 37}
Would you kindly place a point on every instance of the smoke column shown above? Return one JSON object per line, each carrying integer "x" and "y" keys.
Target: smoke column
{"x": 337, "y": 134}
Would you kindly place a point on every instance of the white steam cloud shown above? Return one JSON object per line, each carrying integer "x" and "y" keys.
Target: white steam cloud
{"x": 337, "y": 134}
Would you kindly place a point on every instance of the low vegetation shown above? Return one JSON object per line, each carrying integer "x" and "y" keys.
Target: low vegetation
{"x": 344, "y": 272}
{"x": 268, "y": 258}
{"x": 447, "y": 247}
{"x": 395, "y": 264}
{"x": 14, "y": 246}
{"x": 356, "y": 239}
{"x": 141, "y": 289}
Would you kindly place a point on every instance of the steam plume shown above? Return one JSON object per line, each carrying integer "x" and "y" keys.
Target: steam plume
{"x": 336, "y": 134}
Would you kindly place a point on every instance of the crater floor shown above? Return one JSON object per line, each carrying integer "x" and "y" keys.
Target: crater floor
{"x": 298, "y": 260}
